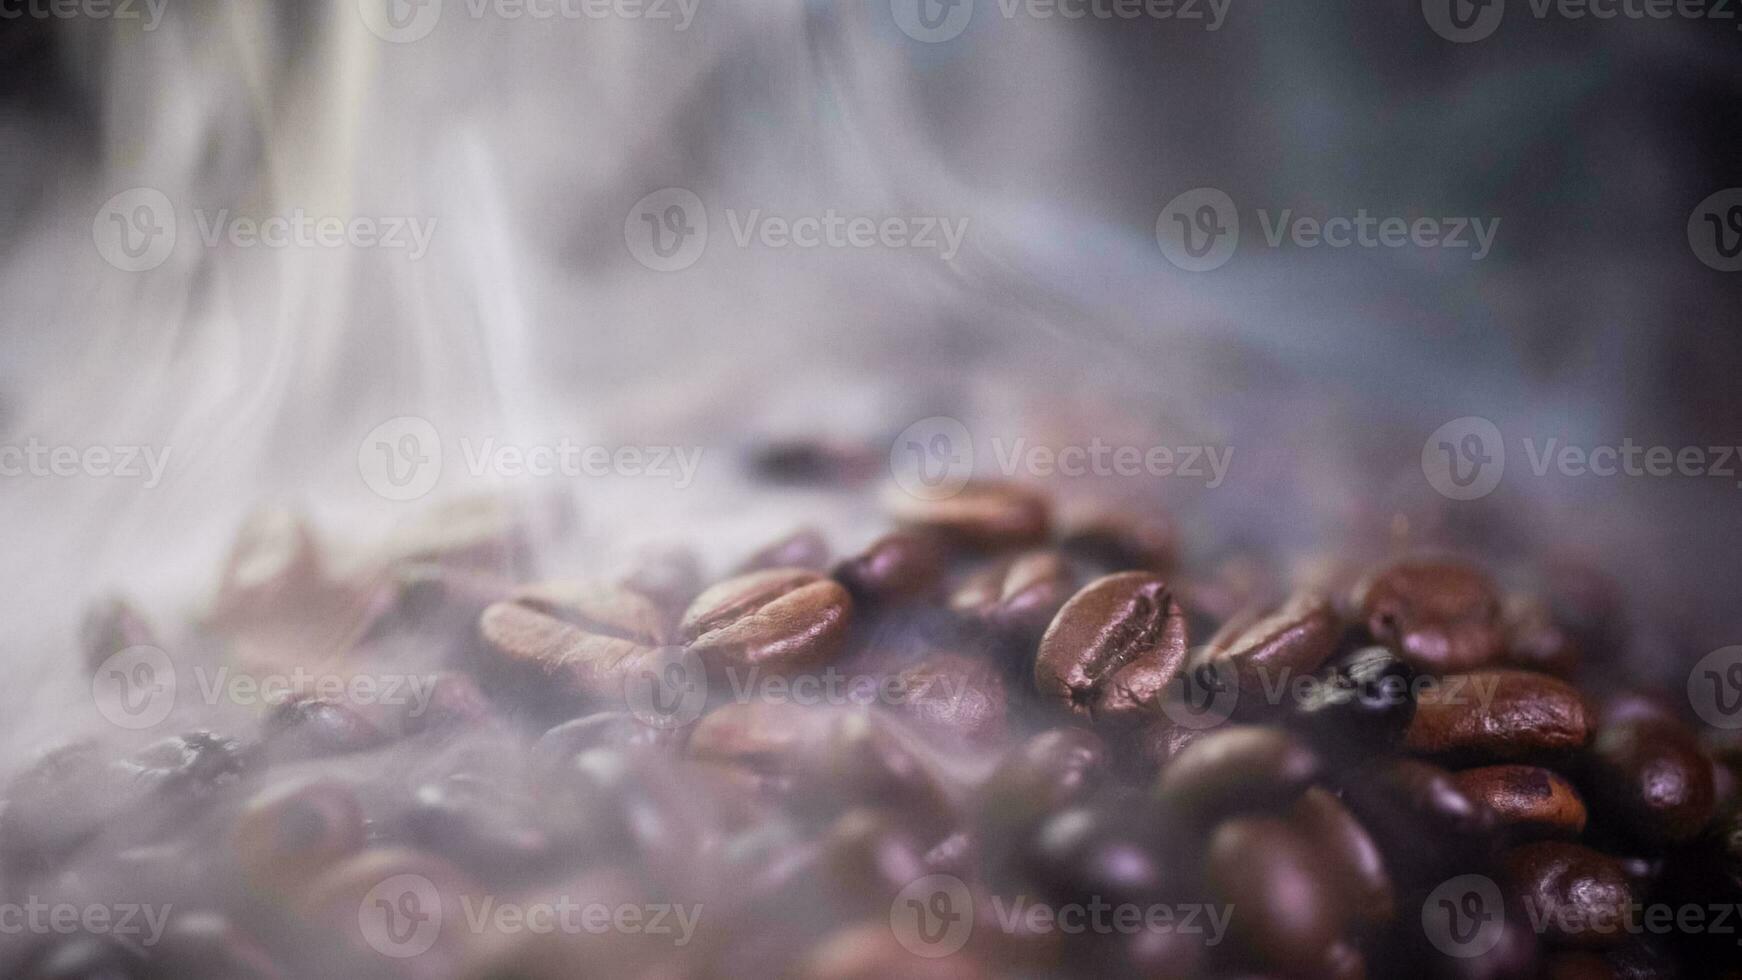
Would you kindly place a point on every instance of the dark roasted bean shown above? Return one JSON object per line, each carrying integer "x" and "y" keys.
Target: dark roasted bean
{"x": 803, "y": 548}
{"x": 782, "y": 618}
{"x": 1242, "y": 768}
{"x": 983, "y": 515}
{"x": 603, "y": 730}
{"x": 195, "y": 763}
{"x": 1651, "y": 775}
{"x": 478, "y": 827}
{"x": 1271, "y": 651}
{"x": 313, "y": 726}
{"x": 1017, "y": 597}
{"x": 1423, "y": 822}
{"x": 1112, "y": 650}
{"x": 1116, "y": 542}
{"x": 1350, "y": 854}
{"x": 1049, "y": 771}
{"x": 1288, "y": 913}
{"x": 953, "y": 693}
{"x": 812, "y": 461}
{"x": 1442, "y": 617}
{"x": 1581, "y": 898}
{"x": 1362, "y": 702}
{"x": 1162, "y": 740}
{"x": 1107, "y": 852}
{"x": 893, "y": 568}
{"x": 288, "y": 834}
{"x": 1499, "y": 715}
{"x": 1527, "y": 801}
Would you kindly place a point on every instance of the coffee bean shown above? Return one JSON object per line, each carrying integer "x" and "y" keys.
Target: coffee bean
{"x": 602, "y": 730}
{"x": 1235, "y": 769}
{"x": 57, "y": 804}
{"x": 1581, "y": 897}
{"x": 288, "y": 834}
{"x": 953, "y": 693}
{"x": 782, "y": 618}
{"x": 1119, "y": 542}
{"x": 1016, "y": 598}
{"x": 1442, "y": 617}
{"x": 478, "y": 827}
{"x": 454, "y": 703}
{"x": 301, "y": 727}
{"x": 870, "y": 856}
{"x": 1652, "y": 777}
{"x": 1500, "y": 715}
{"x": 1534, "y": 641}
{"x": 803, "y": 548}
{"x": 893, "y": 568}
{"x": 1270, "y": 651}
{"x": 193, "y": 764}
{"x": 987, "y": 515}
{"x": 1161, "y": 741}
{"x": 1112, "y": 649}
{"x": 110, "y": 626}
{"x": 1046, "y": 773}
{"x": 1361, "y": 702}
{"x": 612, "y": 804}
{"x": 1350, "y": 853}
{"x": 1288, "y": 913}
{"x": 812, "y": 462}
{"x": 1528, "y": 802}
{"x": 1101, "y": 852}
{"x": 1424, "y": 823}
{"x": 584, "y": 638}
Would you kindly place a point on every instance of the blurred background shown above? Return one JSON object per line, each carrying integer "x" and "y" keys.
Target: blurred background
{"x": 540, "y": 150}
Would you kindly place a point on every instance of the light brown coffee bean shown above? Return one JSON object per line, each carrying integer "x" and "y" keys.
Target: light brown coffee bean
{"x": 780, "y": 618}
{"x": 1499, "y": 715}
{"x": 985, "y": 515}
{"x": 1268, "y": 652}
{"x": 955, "y": 694}
{"x": 586, "y": 638}
{"x": 1235, "y": 769}
{"x": 1350, "y": 853}
{"x": 1529, "y": 802}
{"x": 1113, "y": 648}
{"x": 1441, "y": 616}
{"x": 1018, "y": 597}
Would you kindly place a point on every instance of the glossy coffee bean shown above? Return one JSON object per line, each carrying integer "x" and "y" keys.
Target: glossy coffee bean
{"x": 777, "y": 619}
{"x": 1361, "y": 702}
{"x": 288, "y": 834}
{"x": 1528, "y": 802}
{"x": 1534, "y": 641}
{"x": 1046, "y": 773}
{"x": 803, "y": 548}
{"x": 1271, "y": 651}
{"x": 1581, "y": 897}
{"x": 1651, "y": 776}
{"x": 1425, "y": 825}
{"x": 1119, "y": 542}
{"x": 986, "y": 515}
{"x": 955, "y": 694}
{"x": 1017, "y": 597}
{"x": 1351, "y": 855}
{"x": 1499, "y": 715}
{"x": 893, "y": 568}
{"x": 1100, "y": 851}
{"x": 111, "y": 625}
{"x": 1112, "y": 650}
{"x": 302, "y": 726}
{"x": 1443, "y": 617}
{"x": 1288, "y": 913}
{"x": 1240, "y": 768}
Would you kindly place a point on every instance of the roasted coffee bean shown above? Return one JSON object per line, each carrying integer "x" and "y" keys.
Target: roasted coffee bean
{"x": 1362, "y": 701}
{"x": 1499, "y": 715}
{"x": 1102, "y": 851}
{"x": 1350, "y": 853}
{"x": 454, "y": 703}
{"x": 1652, "y": 777}
{"x": 1288, "y": 913}
{"x": 821, "y": 462}
{"x": 893, "y": 568}
{"x": 803, "y": 548}
{"x": 585, "y": 638}
{"x": 330, "y": 908}
{"x": 870, "y": 856}
{"x": 1442, "y": 617}
{"x": 1534, "y": 641}
{"x": 986, "y": 515}
{"x": 1581, "y": 898}
{"x": 776, "y": 619}
{"x": 439, "y": 596}
{"x": 1269, "y": 652}
{"x": 1527, "y": 801}
{"x": 314, "y": 726}
{"x": 1424, "y": 823}
{"x": 191, "y": 764}
{"x": 1049, "y": 771}
{"x": 474, "y": 824}
{"x": 602, "y": 730}
{"x": 1635, "y": 959}
{"x": 612, "y": 803}
{"x": 953, "y": 693}
{"x": 288, "y": 834}
{"x": 1161, "y": 741}
{"x": 1112, "y": 650}
{"x": 1118, "y": 542}
{"x": 110, "y": 626}
{"x": 1235, "y": 769}
{"x": 1018, "y": 597}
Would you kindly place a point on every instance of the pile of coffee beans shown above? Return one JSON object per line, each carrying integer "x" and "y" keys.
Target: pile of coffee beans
{"x": 992, "y": 742}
